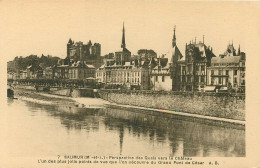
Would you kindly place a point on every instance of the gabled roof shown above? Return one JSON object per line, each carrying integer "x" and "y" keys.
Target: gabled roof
{"x": 102, "y": 66}
{"x": 123, "y": 50}
{"x": 173, "y": 52}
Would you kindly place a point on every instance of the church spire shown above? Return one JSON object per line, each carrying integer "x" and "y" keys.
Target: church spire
{"x": 123, "y": 37}
{"x": 174, "y": 37}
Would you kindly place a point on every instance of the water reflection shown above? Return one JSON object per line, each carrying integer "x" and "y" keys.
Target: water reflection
{"x": 149, "y": 133}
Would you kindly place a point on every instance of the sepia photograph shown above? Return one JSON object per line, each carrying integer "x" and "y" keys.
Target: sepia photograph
{"x": 129, "y": 83}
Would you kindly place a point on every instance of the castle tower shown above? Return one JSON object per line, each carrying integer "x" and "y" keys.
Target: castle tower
{"x": 69, "y": 44}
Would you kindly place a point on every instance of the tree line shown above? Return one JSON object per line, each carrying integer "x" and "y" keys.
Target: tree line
{"x": 21, "y": 63}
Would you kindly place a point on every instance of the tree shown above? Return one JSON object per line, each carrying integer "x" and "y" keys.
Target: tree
{"x": 144, "y": 53}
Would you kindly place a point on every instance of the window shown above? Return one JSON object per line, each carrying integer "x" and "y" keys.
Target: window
{"x": 243, "y": 82}
{"x": 196, "y": 78}
{"x": 235, "y": 80}
{"x": 197, "y": 67}
{"x": 190, "y": 69}
{"x": 183, "y": 79}
{"x": 202, "y": 68}
{"x": 226, "y": 80}
{"x": 202, "y": 79}
{"x": 235, "y": 72}
{"x": 156, "y": 78}
{"x": 212, "y": 81}
{"x": 189, "y": 79}
{"x": 212, "y": 72}
{"x": 227, "y": 72}
{"x": 219, "y": 80}
{"x": 162, "y": 78}
{"x": 219, "y": 72}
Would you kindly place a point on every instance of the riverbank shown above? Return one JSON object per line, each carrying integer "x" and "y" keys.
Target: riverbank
{"x": 84, "y": 102}
{"x": 52, "y": 99}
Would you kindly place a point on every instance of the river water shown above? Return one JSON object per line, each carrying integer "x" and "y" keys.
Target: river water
{"x": 42, "y": 129}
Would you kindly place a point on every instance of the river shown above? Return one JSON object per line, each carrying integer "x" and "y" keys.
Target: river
{"x": 36, "y": 128}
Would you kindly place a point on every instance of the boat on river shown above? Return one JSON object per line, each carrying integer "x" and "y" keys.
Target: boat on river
{"x": 10, "y": 93}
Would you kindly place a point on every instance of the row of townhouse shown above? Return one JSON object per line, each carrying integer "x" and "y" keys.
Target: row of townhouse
{"x": 128, "y": 75}
{"x": 75, "y": 70}
{"x": 198, "y": 70}
{"x": 201, "y": 70}
{"x": 29, "y": 73}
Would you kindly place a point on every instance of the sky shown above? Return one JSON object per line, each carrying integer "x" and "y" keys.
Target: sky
{"x": 44, "y": 27}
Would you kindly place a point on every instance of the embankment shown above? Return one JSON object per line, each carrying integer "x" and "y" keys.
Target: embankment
{"x": 222, "y": 105}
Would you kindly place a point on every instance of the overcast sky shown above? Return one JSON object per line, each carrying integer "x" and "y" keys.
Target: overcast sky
{"x": 36, "y": 27}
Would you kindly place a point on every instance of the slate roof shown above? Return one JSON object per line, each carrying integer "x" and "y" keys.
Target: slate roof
{"x": 174, "y": 51}
{"x": 226, "y": 59}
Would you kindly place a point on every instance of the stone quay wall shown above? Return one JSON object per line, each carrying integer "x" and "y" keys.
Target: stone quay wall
{"x": 74, "y": 92}
{"x": 223, "y": 105}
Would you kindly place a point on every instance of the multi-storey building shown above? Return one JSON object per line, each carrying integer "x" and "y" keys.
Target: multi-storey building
{"x": 11, "y": 75}
{"x": 165, "y": 75}
{"x": 124, "y": 72}
{"x": 192, "y": 71}
{"x": 32, "y": 72}
{"x": 161, "y": 76}
{"x": 48, "y": 72}
{"x": 228, "y": 70}
{"x": 77, "y": 70}
{"x": 129, "y": 75}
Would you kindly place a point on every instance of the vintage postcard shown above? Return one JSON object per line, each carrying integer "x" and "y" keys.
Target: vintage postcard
{"x": 129, "y": 84}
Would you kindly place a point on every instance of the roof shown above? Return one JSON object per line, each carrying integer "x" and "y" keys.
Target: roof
{"x": 209, "y": 88}
{"x": 127, "y": 64}
{"x": 29, "y": 67}
{"x": 174, "y": 51}
{"x": 226, "y": 59}
{"x": 123, "y": 50}
{"x": 102, "y": 66}
{"x": 167, "y": 66}
{"x": 89, "y": 66}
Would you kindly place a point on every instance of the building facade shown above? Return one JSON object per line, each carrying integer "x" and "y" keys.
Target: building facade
{"x": 161, "y": 77}
{"x": 228, "y": 70}
{"x": 192, "y": 71}
{"x": 123, "y": 71}
{"x": 165, "y": 75}
{"x": 77, "y": 70}
{"x": 130, "y": 76}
